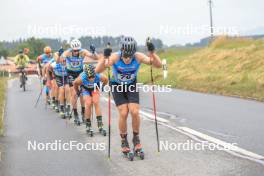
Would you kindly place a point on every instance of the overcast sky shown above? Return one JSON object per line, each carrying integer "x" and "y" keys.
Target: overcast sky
{"x": 174, "y": 21}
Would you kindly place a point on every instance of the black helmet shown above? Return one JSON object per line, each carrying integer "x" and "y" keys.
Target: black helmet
{"x": 20, "y": 51}
{"x": 128, "y": 46}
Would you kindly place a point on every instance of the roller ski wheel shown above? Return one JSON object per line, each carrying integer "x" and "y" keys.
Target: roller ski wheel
{"x": 57, "y": 109}
{"x": 89, "y": 129}
{"x": 100, "y": 126}
{"x": 129, "y": 155}
{"x": 90, "y": 132}
{"x": 102, "y": 131}
{"x": 77, "y": 122}
{"x": 62, "y": 115}
{"x": 139, "y": 153}
{"x": 126, "y": 150}
{"x": 53, "y": 106}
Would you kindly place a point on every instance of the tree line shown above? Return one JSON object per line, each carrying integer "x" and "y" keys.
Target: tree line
{"x": 36, "y": 45}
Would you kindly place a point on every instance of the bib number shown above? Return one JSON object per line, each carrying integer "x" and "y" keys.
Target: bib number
{"x": 126, "y": 77}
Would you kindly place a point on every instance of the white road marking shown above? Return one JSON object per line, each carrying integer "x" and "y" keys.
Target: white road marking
{"x": 222, "y": 143}
{"x": 197, "y": 136}
{"x": 218, "y": 133}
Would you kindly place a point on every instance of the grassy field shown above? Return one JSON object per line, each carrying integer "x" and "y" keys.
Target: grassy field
{"x": 229, "y": 66}
{"x": 2, "y": 100}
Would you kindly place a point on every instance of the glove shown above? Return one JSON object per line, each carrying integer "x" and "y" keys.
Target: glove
{"x": 92, "y": 48}
{"x": 61, "y": 51}
{"x": 150, "y": 45}
{"x": 107, "y": 51}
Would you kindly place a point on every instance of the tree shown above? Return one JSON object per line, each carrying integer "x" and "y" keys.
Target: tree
{"x": 3, "y": 51}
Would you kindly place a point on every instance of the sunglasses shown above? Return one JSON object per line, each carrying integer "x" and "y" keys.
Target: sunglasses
{"x": 127, "y": 56}
{"x": 91, "y": 77}
{"x": 75, "y": 51}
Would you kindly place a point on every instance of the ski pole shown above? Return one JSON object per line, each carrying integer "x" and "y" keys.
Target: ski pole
{"x": 36, "y": 104}
{"x": 154, "y": 103}
{"x": 154, "y": 108}
{"x": 109, "y": 103}
{"x": 41, "y": 87}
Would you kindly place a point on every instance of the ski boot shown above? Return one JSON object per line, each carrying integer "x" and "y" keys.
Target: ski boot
{"x": 67, "y": 112}
{"x": 83, "y": 119}
{"x": 138, "y": 151}
{"x": 83, "y": 113}
{"x": 57, "y": 108}
{"x": 126, "y": 150}
{"x": 53, "y": 103}
{"x": 48, "y": 101}
{"x": 62, "y": 113}
{"x": 100, "y": 125}
{"x": 76, "y": 119}
{"x": 89, "y": 129}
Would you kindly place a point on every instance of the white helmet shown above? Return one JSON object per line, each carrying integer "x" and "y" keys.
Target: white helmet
{"x": 76, "y": 44}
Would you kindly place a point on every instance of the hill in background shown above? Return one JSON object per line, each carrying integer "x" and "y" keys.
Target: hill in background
{"x": 229, "y": 66}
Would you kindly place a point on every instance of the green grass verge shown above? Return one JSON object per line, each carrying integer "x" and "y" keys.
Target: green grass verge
{"x": 3, "y": 84}
{"x": 230, "y": 66}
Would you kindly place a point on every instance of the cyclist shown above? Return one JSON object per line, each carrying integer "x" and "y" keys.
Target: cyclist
{"x": 74, "y": 58}
{"x": 89, "y": 81}
{"x": 125, "y": 65}
{"x": 21, "y": 61}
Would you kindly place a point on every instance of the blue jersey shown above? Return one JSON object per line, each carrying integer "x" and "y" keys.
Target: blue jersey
{"x": 125, "y": 73}
{"x": 74, "y": 63}
{"x": 90, "y": 85}
{"x": 60, "y": 69}
{"x": 45, "y": 59}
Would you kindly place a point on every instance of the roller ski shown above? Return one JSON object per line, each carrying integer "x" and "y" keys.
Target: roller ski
{"x": 100, "y": 125}
{"x": 138, "y": 150}
{"x": 89, "y": 129}
{"x": 126, "y": 150}
{"x": 76, "y": 119}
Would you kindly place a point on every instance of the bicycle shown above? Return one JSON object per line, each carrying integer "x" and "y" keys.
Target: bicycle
{"x": 23, "y": 78}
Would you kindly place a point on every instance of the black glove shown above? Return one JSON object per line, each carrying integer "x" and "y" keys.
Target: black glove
{"x": 44, "y": 81}
{"x": 150, "y": 45}
{"x": 107, "y": 52}
{"x": 92, "y": 48}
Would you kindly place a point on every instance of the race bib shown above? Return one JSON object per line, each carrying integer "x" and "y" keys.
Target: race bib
{"x": 124, "y": 77}
{"x": 75, "y": 63}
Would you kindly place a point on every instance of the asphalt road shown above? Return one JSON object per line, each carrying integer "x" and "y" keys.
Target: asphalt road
{"x": 25, "y": 123}
{"x": 230, "y": 119}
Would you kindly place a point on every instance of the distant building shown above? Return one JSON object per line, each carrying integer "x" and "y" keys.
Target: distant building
{"x": 3, "y": 61}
